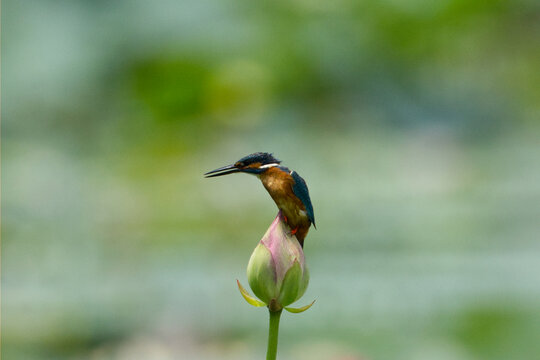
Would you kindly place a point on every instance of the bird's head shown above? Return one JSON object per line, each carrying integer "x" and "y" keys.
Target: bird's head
{"x": 255, "y": 164}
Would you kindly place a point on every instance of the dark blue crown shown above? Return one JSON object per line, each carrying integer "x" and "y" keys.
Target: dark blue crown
{"x": 259, "y": 157}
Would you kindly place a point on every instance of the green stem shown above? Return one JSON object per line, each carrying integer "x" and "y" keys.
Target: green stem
{"x": 273, "y": 331}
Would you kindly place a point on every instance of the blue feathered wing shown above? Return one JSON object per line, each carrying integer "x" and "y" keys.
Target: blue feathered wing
{"x": 301, "y": 191}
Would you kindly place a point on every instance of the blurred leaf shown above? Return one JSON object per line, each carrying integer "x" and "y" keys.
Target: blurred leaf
{"x": 174, "y": 90}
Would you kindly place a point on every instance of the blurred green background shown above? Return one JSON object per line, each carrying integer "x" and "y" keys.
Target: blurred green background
{"x": 415, "y": 124}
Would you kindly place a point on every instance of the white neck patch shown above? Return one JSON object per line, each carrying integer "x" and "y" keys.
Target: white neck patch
{"x": 268, "y": 166}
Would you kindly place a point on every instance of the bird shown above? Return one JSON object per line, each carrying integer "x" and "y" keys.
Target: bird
{"x": 288, "y": 189}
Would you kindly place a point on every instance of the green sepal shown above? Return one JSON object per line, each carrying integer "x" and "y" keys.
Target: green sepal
{"x": 299, "y": 310}
{"x": 294, "y": 284}
{"x": 261, "y": 274}
{"x": 291, "y": 284}
{"x": 250, "y": 299}
{"x": 304, "y": 284}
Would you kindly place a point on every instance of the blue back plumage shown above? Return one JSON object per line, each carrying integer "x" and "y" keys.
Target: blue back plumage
{"x": 301, "y": 191}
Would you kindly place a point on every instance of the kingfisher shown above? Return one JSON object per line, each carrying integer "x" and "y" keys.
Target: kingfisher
{"x": 288, "y": 190}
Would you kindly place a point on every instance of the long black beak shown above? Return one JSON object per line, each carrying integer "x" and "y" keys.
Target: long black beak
{"x": 226, "y": 170}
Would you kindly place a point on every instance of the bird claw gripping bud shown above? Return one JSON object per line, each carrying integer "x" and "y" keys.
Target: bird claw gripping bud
{"x": 277, "y": 271}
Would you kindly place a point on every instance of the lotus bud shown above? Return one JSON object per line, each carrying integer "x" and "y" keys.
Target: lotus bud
{"x": 277, "y": 271}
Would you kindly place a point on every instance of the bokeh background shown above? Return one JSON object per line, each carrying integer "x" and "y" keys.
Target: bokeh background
{"x": 415, "y": 124}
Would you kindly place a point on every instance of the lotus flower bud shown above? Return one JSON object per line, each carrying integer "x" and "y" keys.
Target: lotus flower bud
{"x": 277, "y": 271}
